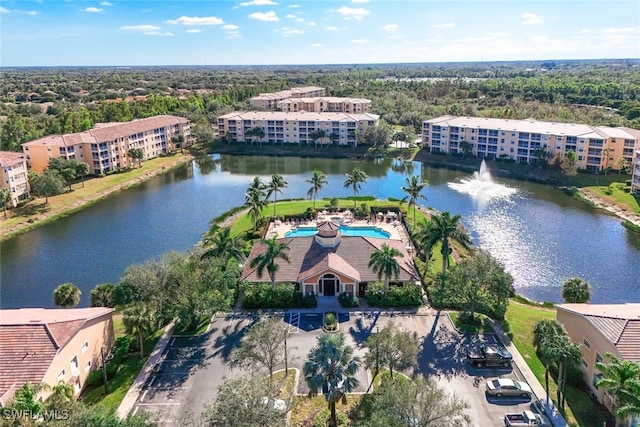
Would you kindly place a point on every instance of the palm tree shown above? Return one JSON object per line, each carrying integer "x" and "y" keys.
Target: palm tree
{"x": 61, "y": 397}
{"x": 102, "y": 295}
{"x": 331, "y": 369}
{"x": 353, "y": 180}
{"x": 317, "y": 134}
{"x": 576, "y": 290}
{"x": 414, "y": 189}
{"x": 267, "y": 260}
{"x": 333, "y": 136}
{"x": 318, "y": 180}
{"x": 256, "y": 201}
{"x": 26, "y": 398}
{"x": 66, "y": 295}
{"x": 621, "y": 378}
{"x": 5, "y": 197}
{"x": 274, "y": 187}
{"x": 223, "y": 245}
{"x": 443, "y": 228}
{"x": 137, "y": 321}
{"x": 542, "y": 330}
{"x": 136, "y": 154}
{"x": 560, "y": 351}
{"x": 622, "y": 164}
{"x": 384, "y": 262}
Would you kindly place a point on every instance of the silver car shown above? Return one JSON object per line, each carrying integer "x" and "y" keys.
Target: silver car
{"x": 508, "y": 387}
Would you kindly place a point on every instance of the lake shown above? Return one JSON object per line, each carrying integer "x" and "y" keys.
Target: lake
{"x": 541, "y": 235}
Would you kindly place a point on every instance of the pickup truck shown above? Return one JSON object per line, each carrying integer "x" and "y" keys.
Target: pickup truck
{"x": 526, "y": 418}
{"x": 489, "y": 355}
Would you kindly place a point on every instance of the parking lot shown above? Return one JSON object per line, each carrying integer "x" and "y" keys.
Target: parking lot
{"x": 193, "y": 368}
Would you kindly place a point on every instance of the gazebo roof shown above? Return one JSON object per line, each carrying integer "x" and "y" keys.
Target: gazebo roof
{"x": 328, "y": 229}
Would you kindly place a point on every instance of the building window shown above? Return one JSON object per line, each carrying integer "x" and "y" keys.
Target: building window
{"x": 87, "y": 366}
{"x": 85, "y": 347}
{"x": 598, "y": 357}
{"x": 74, "y": 366}
{"x": 584, "y": 363}
{"x": 596, "y": 378}
{"x": 586, "y": 343}
{"x": 61, "y": 375}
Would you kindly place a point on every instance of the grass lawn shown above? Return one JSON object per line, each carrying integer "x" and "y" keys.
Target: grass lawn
{"x": 614, "y": 195}
{"x": 520, "y": 318}
{"x": 305, "y": 408}
{"x": 80, "y": 196}
{"x": 119, "y": 385}
{"x": 484, "y": 328}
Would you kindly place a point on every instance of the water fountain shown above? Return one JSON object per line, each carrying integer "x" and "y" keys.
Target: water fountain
{"x": 481, "y": 186}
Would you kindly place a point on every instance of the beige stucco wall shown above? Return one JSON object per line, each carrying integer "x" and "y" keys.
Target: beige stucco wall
{"x": 97, "y": 333}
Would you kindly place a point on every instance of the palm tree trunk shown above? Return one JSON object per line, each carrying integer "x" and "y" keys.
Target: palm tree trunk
{"x": 141, "y": 344}
{"x": 333, "y": 420}
{"x": 275, "y": 201}
{"x": 273, "y": 280}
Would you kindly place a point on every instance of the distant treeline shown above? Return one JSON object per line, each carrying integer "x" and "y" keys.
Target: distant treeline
{"x": 43, "y": 101}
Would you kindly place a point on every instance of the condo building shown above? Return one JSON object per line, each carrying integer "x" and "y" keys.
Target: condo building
{"x": 13, "y": 175}
{"x": 635, "y": 179}
{"x": 296, "y": 127}
{"x": 597, "y": 147}
{"x": 105, "y": 148}
{"x": 271, "y": 99}
{"x": 325, "y": 104}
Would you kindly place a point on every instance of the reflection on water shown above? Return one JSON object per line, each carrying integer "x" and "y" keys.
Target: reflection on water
{"x": 540, "y": 234}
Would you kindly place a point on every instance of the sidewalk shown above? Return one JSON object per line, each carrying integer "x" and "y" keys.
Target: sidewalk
{"x": 549, "y": 409}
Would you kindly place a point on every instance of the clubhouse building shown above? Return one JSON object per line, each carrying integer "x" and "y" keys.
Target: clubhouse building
{"x": 325, "y": 262}
{"x": 597, "y": 147}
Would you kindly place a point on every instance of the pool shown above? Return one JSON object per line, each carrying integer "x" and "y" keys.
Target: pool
{"x": 344, "y": 230}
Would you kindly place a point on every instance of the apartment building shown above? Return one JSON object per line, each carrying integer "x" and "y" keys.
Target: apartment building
{"x": 635, "y": 179}
{"x": 597, "y": 147}
{"x": 331, "y": 104}
{"x": 602, "y": 328}
{"x": 296, "y": 127}
{"x": 51, "y": 345}
{"x": 271, "y": 99}
{"x": 105, "y": 148}
{"x": 13, "y": 175}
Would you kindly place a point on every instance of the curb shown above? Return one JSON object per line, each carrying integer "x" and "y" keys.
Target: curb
{"x": 154, "y": 359}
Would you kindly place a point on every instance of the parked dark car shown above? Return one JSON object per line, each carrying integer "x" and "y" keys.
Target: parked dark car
{"x": 490, "y": 355}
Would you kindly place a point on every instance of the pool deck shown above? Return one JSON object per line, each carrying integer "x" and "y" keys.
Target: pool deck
{"x": 395, "y": 228}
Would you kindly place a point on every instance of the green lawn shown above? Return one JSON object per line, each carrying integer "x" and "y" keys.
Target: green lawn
{"x": 119, "y": 385}
{"x": 520, "y": 318}
{"x": 483, "y": 328}
{"x": 614, "y": 195}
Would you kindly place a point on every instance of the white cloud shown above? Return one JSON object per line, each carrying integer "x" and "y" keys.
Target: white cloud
{"x": 32, "y": 13}
{"x": 360, "y": 1}
{"x": 194, "y": 30}
{"x": 359, "y": 41}
{"x": 530, "y": 19}
{"x": 4, "y": 10}
{"x": 317, "y": 45}
{"x": 396, "y": 37}
{"x": 390, "y": 27}
{"x": 290, "y": 16}
{"x": 105, "y": 3}
{"x": 147, "y": 28}
{"x": 331, "y": 28}
{"x": 294, "y": 6}
{"x": 353, "y": 12}
{"x": 619, "y": 30}
{"x": 230, "y": 27}
{"x": 445, "y": 25}
{"x": 312, "y": 24}
{"x": 157, "y": 33}
{"x": 258, "y": 3}
{"x": 289, "y": 32}
{"x": 268, "y": 16}
{"x": 93, "y": 10}
{"x": 196, "y": 20}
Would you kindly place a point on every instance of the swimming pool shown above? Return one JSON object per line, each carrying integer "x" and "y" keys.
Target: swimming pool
{"x": 344, "y": 230}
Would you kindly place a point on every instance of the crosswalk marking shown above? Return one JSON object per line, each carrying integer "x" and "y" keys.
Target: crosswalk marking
{"x": 294, "y": 323}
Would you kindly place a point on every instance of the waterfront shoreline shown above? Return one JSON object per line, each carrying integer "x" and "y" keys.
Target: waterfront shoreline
{"x": 42, "y": 218}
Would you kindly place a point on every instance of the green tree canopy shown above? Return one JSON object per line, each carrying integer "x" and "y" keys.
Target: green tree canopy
{"x": 576, "y": 290}
{"x": 66, "y": 295}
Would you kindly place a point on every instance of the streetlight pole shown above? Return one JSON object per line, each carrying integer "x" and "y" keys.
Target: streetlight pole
{"x": 377, "y": 352}
{"x": 286, "y": 360}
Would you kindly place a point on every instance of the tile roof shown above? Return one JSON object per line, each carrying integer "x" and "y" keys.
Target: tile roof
{"x": 352, "y": 255}
{"x": 8, "y": 158}
{"x": 298, "y": 115}
{"x": 619, "y": 323}
{"x": 30, "y": 339}
{"x": 104, "y": 132}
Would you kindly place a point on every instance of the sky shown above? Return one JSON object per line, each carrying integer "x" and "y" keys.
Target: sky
{"x": 265, "y": 32}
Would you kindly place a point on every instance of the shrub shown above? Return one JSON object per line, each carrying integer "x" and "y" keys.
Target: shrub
{"x": 405, "y": 296}
{"x": 330, "y": 321}
{"x": 284, "y": 296}
{"x": 95, "y": 378}
{"x": 333, "y": 203}
{"x": 347, "y": 300}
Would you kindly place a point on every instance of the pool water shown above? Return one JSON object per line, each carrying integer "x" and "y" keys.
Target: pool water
{"x": 344, "y": 230}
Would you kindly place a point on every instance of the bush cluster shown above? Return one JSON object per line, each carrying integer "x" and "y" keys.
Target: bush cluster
{"x": 347, "y": 300}
{"x": 406, "y": 296}
{"x": 283, "y": 296}
{"x": 330, "y": 321}
{"x": 120, "y": 351}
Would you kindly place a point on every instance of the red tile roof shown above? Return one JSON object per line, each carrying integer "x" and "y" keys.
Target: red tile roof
{"x": 352, "y": 255}
{"x": 10, "y": 158}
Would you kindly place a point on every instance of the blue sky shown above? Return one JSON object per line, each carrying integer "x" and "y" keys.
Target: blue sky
{"x": 226, "y": 32}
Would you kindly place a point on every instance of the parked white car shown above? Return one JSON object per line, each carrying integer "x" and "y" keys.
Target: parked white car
{"x": 508, "y": 387}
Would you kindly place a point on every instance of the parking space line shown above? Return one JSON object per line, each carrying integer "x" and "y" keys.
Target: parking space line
{"x": 144, "y": 394}
{"x": 152, "y": 380}
{"x": 172, "y": 341}
{"x": 294, "y": 322}
{"x": 135, "y": 411}
{"x": 160, "y": 404}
